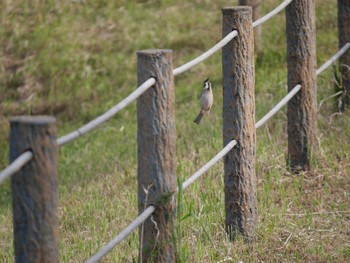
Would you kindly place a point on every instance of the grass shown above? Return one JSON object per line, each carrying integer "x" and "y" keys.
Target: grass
{"x": 75, "y": 59}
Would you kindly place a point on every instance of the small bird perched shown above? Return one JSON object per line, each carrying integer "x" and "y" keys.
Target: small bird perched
{"x": 206, "y": 100}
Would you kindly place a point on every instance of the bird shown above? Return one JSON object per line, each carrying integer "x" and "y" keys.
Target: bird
{"x": 206, "y": 100}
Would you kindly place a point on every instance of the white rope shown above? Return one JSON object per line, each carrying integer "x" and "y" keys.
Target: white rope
{"x": 272, "y": 13}
{"x": 142, "y": 217}
{"x": 151, "y": 81}
{"x": 16, "y": 165}
{"x": 263, "y": 120}
{"x": 295, "y": 90}
{"x": 27, "y": 156}
{"x": 333, "y": 59}
{"x": 137, "y": 222}
{"x": 226, "y": 40}
{"x": 108, "y": 114}
{"x": 206, "y": 54}
{"x": 209, "y": 164}
{"x": 279, "y": 105}
{"x": 145, "y": 214}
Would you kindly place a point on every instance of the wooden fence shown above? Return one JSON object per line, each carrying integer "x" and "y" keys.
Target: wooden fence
{"x": 34, "y": 187}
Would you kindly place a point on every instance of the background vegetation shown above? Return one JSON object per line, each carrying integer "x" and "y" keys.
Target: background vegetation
{"x": 76, "y": 59}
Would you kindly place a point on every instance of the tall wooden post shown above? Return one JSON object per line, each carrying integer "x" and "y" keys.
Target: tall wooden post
{"x": 301, "y": 59}
{"x": 34, "y": 189}
{"x": 156, "y": 156}
{"x": 239, "y": 123}
{"x": 344, "y": 37}
{"x": 255, "y": 4}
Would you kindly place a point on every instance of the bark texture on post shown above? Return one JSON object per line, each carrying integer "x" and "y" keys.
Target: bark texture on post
{"x": 239, "y": 123}
{"x": 255, "y": 4}
{"x": 34, "y": 189}
{"x": 301, "y": 59}
{"x": 344, "y": 37}
{"x": 157, "y": 156}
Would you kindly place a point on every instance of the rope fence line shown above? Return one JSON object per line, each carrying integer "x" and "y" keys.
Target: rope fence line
{"x": 27, "y": 156}
{"x": 147, "y": 212}
{"x": 271, "y": 14}
{"x": 206, "y": 54}
{"x": 333, "y": 59}
{"x": 191, "y": 179}
{"x": 144, "y": 215}
{"x": 209, "y": 164}
{"x": 296, "y": 89}
{"x": 16, "y": 165}
{"x": 108, "y": 114}
{"x": 151, "y": 81}
{"x": 278, "y": 106}
{"x": 143, "y": 88}
{"x": 127, "y": 231}
{"x": 264, "y": 119}
{"x": 227, "y": 39}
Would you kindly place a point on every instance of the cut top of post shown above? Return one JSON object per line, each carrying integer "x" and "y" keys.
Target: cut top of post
{"x": 229, "y": 10}
{"x": 149, "y": 53}
{"x": 150, "y": 59}
{"x": 37, "y": 120}
{"x": 154, "y": 51}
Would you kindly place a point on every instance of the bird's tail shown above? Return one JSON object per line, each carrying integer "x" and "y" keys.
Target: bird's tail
{"x": 199, "y": 117}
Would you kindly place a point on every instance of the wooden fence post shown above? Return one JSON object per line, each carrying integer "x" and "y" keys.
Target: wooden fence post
{"x": 157, "y": 156}
{"x": 344, "y": 37}
{"x": 239, "y": 123}
{"x": 34, "y": 189}
{"x": 301, "y": 59}
{"x": 255, "y": 4}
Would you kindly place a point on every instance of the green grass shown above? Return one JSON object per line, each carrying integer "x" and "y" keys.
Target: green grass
{"x": 76, "y": 59}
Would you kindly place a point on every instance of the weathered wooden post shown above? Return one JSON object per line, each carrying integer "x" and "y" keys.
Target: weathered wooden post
{"x": 344, "y": 37}
{"x": 239, "y": 123}
{"x": 157, "y": 156}
{"x": 301, "y": 59}
{"x": 255, "y": 4}
{"x": 34, "y": 189}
